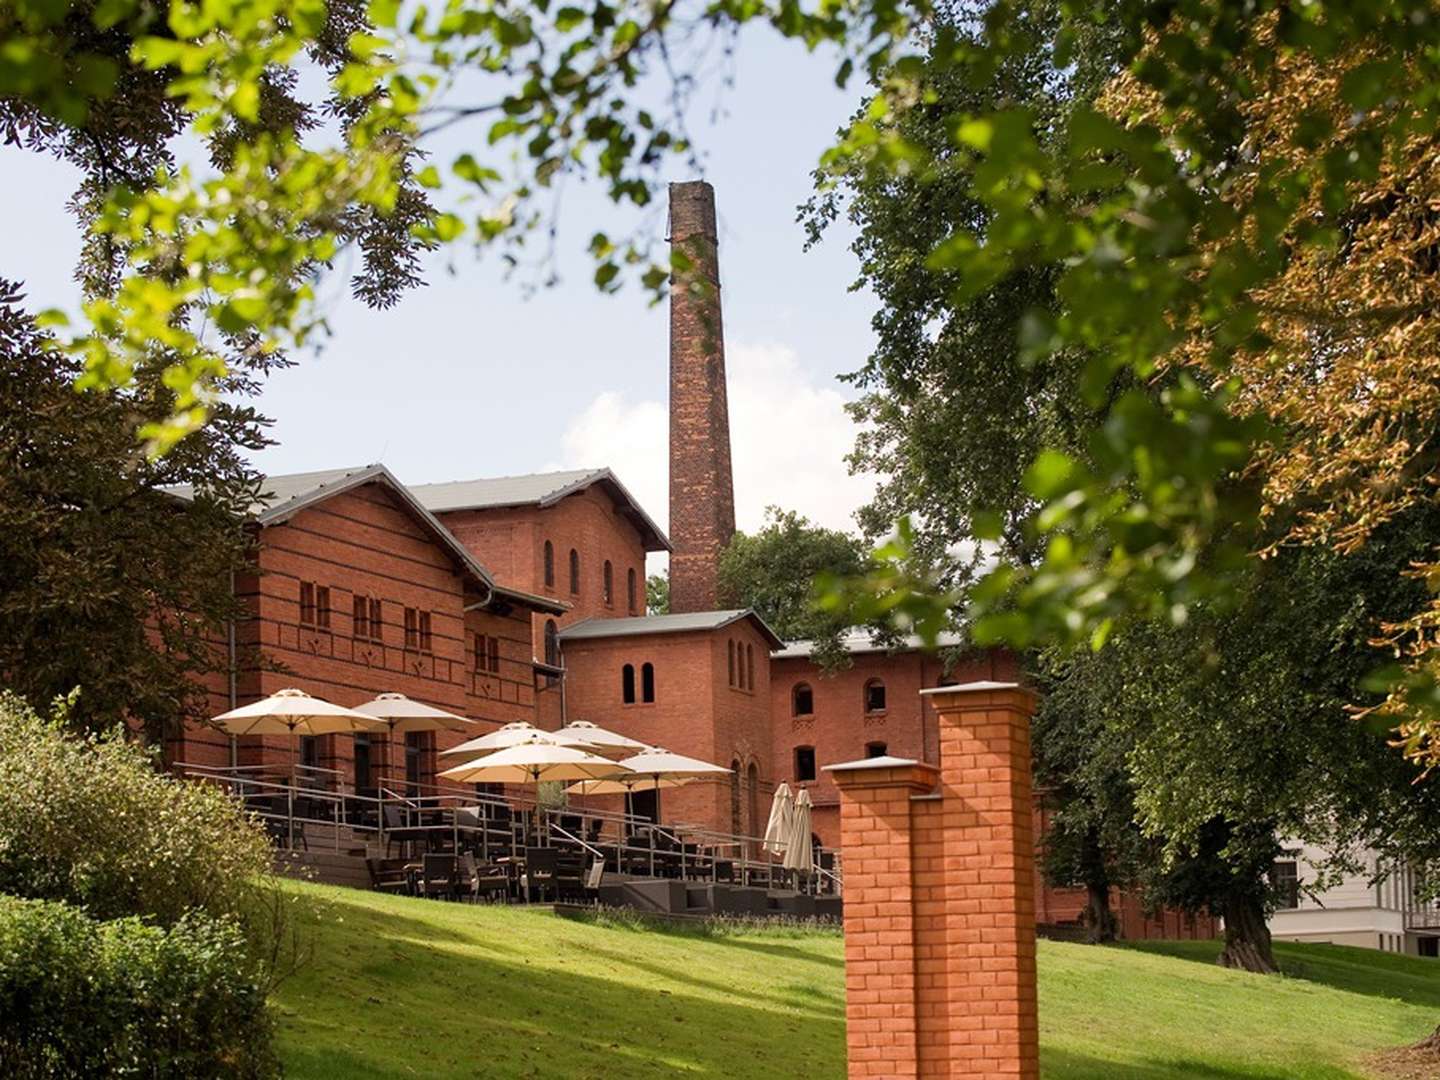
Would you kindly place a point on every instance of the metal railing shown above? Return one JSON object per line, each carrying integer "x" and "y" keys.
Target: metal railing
{"x": 493, "y": 825}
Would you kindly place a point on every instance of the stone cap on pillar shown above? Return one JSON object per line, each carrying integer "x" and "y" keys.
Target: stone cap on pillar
{"x": 985, "y": 694}
{"x": 884, "y": 771}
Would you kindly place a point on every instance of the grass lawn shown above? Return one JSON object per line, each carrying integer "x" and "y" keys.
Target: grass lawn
{"x": 399, "y": 987}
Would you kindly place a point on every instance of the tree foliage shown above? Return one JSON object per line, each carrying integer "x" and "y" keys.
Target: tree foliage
{"x": 109, "y": 581}
{"x": 775, "y": 570}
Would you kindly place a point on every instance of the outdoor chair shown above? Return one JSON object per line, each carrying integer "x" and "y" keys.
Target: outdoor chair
{"x": 398, "y": 832}
{"x": 387, "y": 876}
{"x": 482, "y": 879}
{"x": 541, "y": 865}
{"x": 437, "y": 876}
{"x": 281, "y": 835}
{"x": 569, "y": 876}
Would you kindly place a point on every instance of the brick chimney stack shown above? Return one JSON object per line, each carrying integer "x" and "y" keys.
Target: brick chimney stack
{"x": 702, "y": 494}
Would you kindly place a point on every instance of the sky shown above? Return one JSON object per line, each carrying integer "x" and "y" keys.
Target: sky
{"x": 470, "y": 376}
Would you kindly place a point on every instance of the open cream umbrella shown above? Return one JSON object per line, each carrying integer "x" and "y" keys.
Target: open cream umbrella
{"x": 598, "y": 737}
{"x": 656, "y": 763}
{"x": 514, "y": 734}
{"x": 537, "y": 758}
{"x": 403, "y": 715}
{"x": 624, "y": 785}
{"x": 800, "y": 851}
{"x": 777, "y": 830}
{"x": 294, "y": 712}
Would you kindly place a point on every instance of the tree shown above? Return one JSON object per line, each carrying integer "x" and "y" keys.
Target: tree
{"x": 774, "y": 571}
{"x": 657, "y": 594}
{"x": 107, "y": 581}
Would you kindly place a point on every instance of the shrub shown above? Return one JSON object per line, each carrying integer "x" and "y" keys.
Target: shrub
{"x": 81, "y": 997}
{"x": 89, "y": 819}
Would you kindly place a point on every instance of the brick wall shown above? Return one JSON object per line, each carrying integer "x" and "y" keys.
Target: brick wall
{"x": 364, "y": 542}
{"x": 510, "y": 542}
{"x": 939, "y": 904}
{"x": 840, "y": 728}
{"x": 702, "y": 500}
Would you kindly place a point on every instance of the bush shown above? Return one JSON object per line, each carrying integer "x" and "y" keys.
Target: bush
{"x": 90, "y": 820}
{"x": 81, "y": 997}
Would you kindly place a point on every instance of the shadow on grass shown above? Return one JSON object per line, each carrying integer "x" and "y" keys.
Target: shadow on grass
{"x": 1354, "y": 970}
{"x": 1068, "y": 1065}
{"x": 393, "y": 993}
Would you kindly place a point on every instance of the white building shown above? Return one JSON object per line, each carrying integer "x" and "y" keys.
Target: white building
{"x": 1373, "y": 910}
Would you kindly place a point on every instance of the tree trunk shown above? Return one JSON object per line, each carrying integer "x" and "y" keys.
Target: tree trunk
{"x": 1247, "y": 937}
{"x": 1099, "y": 918}
{"x": 1431, "y": 1042}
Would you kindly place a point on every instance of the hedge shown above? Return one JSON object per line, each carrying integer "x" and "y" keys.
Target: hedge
{"x": 81, "y": 997}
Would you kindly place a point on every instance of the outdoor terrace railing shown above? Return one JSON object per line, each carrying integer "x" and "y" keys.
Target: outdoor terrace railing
{"x": 297, "y": 807}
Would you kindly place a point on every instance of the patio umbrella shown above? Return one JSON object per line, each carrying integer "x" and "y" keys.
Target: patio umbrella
{"x": 514, "y": 735}
{"x": 535, "y": 759}
{"x": 624, "y": 785}
{"x": 658, "y": 764}
{"x": 777, "y": 830}
{"x": 294, "y": 712}
{"x": 403, "y": 715}
{"x": 800, "y": 851}
{"x": 599, "y": 737}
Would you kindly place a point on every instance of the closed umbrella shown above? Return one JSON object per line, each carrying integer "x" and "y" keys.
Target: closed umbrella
{"x": 514, "y": 735}
{"x": 777, "y": 830}
{"x": 800, "y": 851}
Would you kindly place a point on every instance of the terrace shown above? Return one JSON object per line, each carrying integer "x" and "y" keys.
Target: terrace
{"x": 446, "y": 843}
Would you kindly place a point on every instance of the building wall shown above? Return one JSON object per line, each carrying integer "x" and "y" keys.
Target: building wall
{"x": 840, "y": 728}
{"x": 510, "y": 542}
{"x": 364, "y": 542}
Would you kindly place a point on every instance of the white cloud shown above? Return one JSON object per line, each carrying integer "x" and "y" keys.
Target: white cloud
{"x": 788, "y": 439}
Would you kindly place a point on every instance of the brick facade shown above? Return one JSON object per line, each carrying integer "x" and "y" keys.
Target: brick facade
{"x": 940, "y": 901}
{"x": 702, "y": 499}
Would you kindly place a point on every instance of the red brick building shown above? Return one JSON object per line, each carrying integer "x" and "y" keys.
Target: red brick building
{"x": 523, "y": 598}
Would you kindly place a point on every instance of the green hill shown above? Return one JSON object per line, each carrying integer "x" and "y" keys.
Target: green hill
{"x": 398, "y": 987}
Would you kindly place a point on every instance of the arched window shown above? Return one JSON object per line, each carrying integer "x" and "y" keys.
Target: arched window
{"x": 647, "y": 683}
{"x": 752, "y": 784}
{"x": 735, "y": 823}
{"x": 750, "y": 666}
{"x": 730, "y": 650}
{"x": 874, "y": 696}
{"x": 627, "y": 684}
{"x": 552, "y": 643}
{"x": 608, "y": 582}
{"x": 876, "y": 749}
{"x": 804, "y": 763}
{"x": 549, "y": 564}
{"x": 802, "y": 700}
{"x": 630, "y": 590}
{"x": 574, "y": 571}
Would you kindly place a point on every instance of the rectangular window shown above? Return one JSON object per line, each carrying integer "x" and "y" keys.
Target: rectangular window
{"x": 482, "y": 661}
{"x": 307, "y": 603}
{"x": 804, "y": 763}
{"x": 1285, "y": 878}
{"x": 360, "y": 610}
{"x": 377, "y": 622}
{"x": 322, "y": 606}
{"x": 309, "y": 751}
{"x": 494, "y": 656}
{"x": 412, "y": 628}
{"x": 427, "y": 642}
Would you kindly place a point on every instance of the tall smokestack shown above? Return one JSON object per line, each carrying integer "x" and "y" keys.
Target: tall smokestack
{"x": 702, "y": 494}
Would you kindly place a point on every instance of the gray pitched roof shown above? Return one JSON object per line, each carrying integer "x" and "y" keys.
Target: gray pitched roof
{"x": 691, "y": 621}
{"x": 282, "y": 497}
{"x": 865, "y": 641}
{"x": 537, "y": 489}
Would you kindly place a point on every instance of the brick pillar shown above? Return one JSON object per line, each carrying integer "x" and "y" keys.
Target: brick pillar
{"x": 702, "y": 497}
{"x": 881, "y": 1009}
{"x": 940, "y": 898}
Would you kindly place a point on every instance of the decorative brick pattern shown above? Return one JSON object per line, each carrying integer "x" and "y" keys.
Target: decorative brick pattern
{"x": 940, "y": 898}
{"x": 702, "y": 497}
